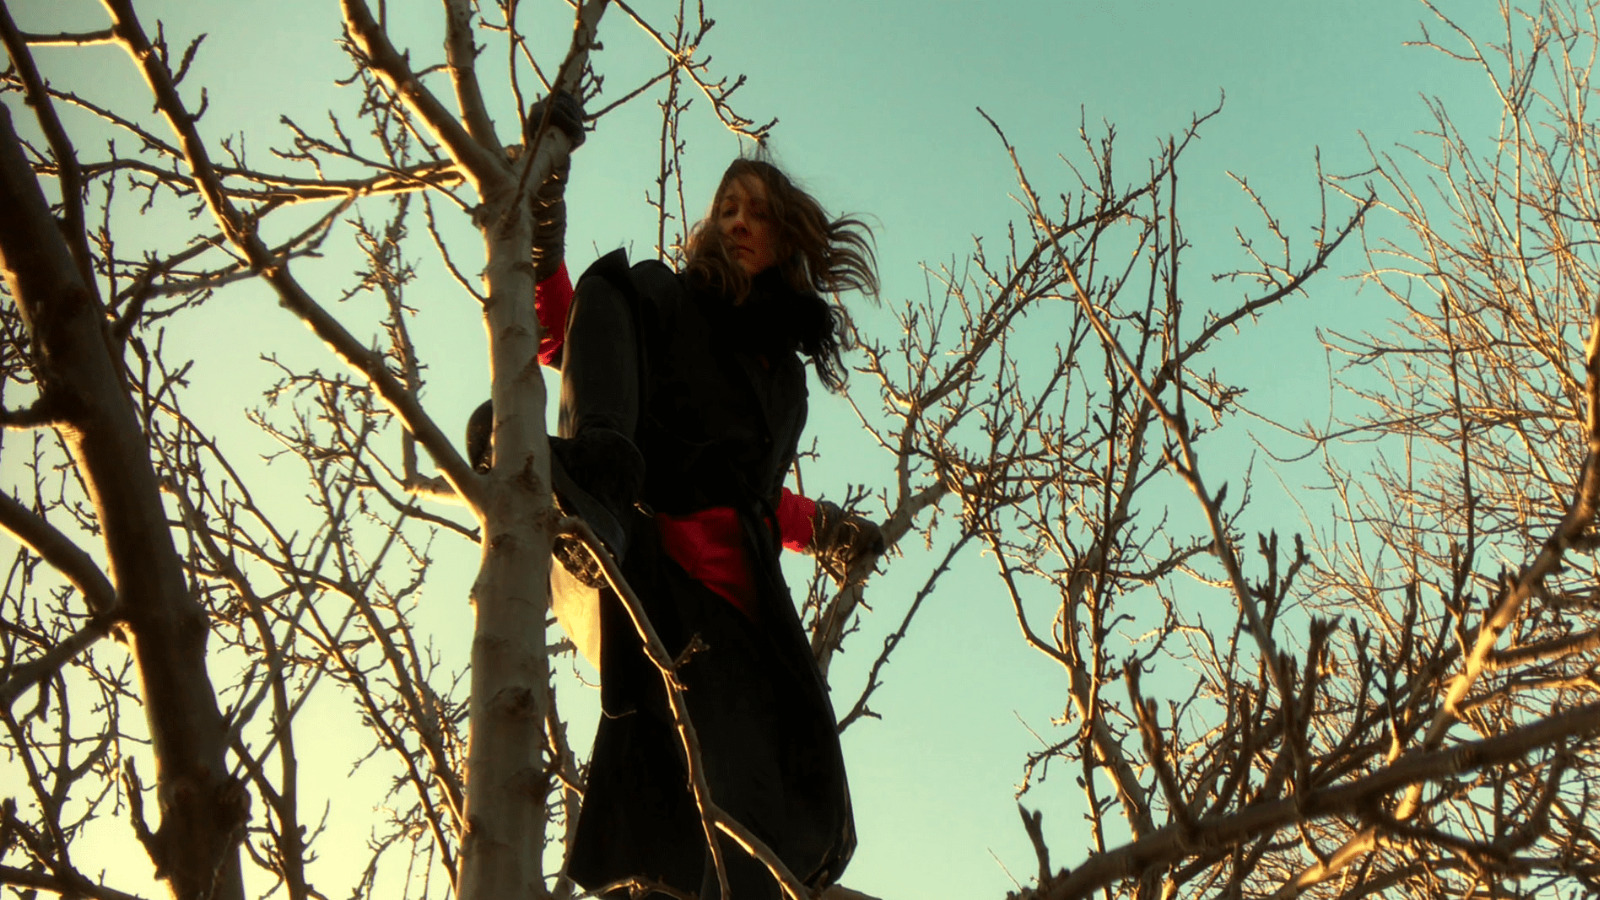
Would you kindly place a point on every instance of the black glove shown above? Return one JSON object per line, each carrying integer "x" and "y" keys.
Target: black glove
{"x": 549, "y": 204}
{"x": 566, "y": 113}
{"x": 839, "y": 538}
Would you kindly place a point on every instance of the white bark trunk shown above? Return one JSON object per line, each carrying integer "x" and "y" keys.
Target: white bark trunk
{"x": 502, "y": 847}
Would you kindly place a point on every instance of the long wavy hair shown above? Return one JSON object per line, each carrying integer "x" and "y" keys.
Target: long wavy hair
{"x": 816, "y": 255}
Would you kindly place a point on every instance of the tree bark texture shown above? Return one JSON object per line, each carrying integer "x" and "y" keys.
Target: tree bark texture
{"x": 508, "y": 781}
{"x": 501, "y": 849}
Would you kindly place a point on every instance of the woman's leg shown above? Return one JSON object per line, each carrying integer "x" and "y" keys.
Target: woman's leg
{"x": 600, "y": 363}
{"x": 600, "y": 472}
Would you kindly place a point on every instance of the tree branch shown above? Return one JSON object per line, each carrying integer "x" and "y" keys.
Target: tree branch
{"x": 69, "y": 885}
{"x": 485, "y": 164}
{"x": 74, "y": 225}
{"x": 241, "y": 233}
{"x": 461, "y": 55}
{"x": 25, "y": 676}
{"x": 38, "y": 414}
{"x": 1173, "y": 842}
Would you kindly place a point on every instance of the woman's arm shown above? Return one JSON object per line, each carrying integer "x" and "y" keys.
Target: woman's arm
{"x": 552, "y": 298}
{"x": 824, "y": 530}
{"x": 795, "y": 515}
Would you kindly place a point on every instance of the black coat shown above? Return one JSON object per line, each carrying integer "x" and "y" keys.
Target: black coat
{"x": 723, "y": 404}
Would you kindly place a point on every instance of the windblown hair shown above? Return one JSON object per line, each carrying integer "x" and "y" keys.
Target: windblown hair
{"x": 816, "y": 255}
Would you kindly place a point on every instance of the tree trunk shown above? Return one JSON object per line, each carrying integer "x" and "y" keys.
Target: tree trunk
{"x": 203, "y": 810}
{"x": 507, "y": 782}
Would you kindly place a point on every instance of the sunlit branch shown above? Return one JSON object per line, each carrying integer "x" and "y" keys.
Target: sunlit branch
{"x": 367, "y": 362}
{"x": 860, "y": 708}
{"x": 1179, "y": 431}
{"x": 74, "y": 224}
{"x": 61, "y": 552}
{"x": 69, "y": 39}
{"x": 656, "y": 652}
{"x": 712, "y": 817}
{"x": 716, "y": 93}
{"x": 284, "y": 191}
{"x": 1173, "y": 842}
{"x": 71, "y": 884}
{"x": 49, "y": 664}
{"x": 461, "y": 54}
{"x": 485, "y": 165}
{"x": 829, "y": 631}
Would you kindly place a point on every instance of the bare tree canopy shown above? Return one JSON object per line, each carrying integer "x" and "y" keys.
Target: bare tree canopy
{"x": 278, "y": 635}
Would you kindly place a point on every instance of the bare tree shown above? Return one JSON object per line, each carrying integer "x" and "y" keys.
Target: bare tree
{"x": 1403, "y": 705}
{"x": 1400, "y": 705}
{"x": 1487, "y": 401}
{"x": 161, "y": 539}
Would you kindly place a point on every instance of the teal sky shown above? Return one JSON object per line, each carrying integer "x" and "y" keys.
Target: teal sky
{"x": 877, "y": 107}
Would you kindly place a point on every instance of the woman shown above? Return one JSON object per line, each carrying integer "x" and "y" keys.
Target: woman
{"x": 683, "y": 401}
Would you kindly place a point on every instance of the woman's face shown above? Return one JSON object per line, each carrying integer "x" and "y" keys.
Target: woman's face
{"x": 745, "y": 224}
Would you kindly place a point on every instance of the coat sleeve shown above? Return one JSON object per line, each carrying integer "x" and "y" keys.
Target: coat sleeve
{"x": 552, "y": 299}
{"x": 795, "y": 514}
